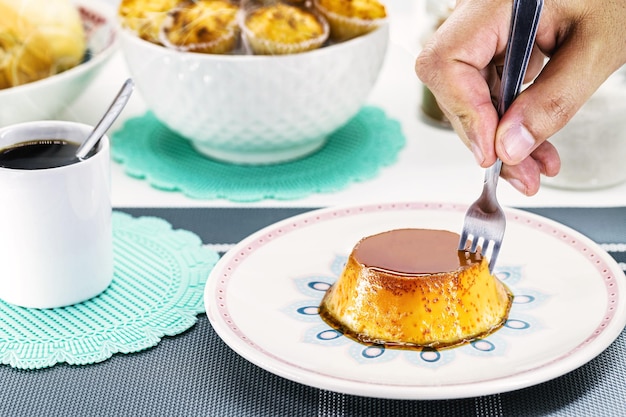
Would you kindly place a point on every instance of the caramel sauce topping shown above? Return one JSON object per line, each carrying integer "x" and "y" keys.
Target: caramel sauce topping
{"x": 411, "y": 252}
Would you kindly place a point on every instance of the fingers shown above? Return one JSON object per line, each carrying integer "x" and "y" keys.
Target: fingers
{"x": 526, "y": 176}
{"x": 473, "y": 117}
{"x": 585, "y": 44}
{"x": 563, "y": 86}
{"x": 454, "y": 66}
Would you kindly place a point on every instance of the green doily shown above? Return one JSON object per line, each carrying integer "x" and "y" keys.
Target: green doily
{"x": 157, "y": 290}
{"x": 355, "y": 152}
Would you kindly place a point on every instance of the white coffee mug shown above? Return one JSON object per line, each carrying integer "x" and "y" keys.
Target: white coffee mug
{"x": 56, "y": 240}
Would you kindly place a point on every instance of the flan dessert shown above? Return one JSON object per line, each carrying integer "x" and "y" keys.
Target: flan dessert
{"x": 206, "y": 26}
{"x": 412, "y": 288}
{"x": 351, "y": 18}
{"x": 280, "y": 29}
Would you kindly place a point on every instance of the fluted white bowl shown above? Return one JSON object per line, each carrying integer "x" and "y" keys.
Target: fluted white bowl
{"x": 255, "y": 109}
{"x": 49, "y": 97}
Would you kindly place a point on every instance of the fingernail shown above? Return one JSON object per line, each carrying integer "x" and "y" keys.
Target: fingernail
{"x": 478, "y": 154}
{"x": 517, "y": 142}
{"x": 518, "y": 185}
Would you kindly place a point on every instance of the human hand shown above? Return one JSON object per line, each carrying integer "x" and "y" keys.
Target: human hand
{"x": 585, "y": 45}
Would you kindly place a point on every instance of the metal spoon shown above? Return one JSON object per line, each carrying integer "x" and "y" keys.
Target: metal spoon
{"x": 107, "y": 120}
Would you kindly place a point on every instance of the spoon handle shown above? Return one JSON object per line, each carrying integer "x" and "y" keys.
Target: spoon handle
{"x": 107, "y": 120}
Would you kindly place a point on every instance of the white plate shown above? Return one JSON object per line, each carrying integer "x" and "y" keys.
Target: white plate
{"x": 262, "y": 299}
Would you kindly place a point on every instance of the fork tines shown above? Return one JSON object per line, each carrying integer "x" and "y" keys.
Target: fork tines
{"x": 475, "y": 248}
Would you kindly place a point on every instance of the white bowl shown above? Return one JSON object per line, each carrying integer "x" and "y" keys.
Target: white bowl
{"x": 256, "y": 109}
{"x": 47, "y": 98}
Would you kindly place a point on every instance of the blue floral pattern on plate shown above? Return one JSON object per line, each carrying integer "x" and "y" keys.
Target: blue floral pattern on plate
{"x": 520, "y": 322}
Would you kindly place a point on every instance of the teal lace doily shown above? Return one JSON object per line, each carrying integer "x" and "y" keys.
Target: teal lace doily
{"x": 356, "y": 152}
{"x": 157, "y": 290}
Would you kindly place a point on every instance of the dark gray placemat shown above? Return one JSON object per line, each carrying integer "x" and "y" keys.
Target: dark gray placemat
{"x": 230, "y": 225}
{"x": 196, "y": 374}
{"x": 603, "y": 225}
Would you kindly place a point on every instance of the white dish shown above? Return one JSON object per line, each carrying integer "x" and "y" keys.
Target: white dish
{"x": 256, "y": 109}
{"x": 262, "y": 297}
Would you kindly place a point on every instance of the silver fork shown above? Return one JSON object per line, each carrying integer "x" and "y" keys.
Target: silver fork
{"x": 485, "y": 221}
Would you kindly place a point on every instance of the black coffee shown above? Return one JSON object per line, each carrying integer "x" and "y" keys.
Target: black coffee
{"x": 39, "y": 154}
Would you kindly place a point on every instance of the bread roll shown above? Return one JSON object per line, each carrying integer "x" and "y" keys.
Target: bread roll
{"x": 38, "y": 38}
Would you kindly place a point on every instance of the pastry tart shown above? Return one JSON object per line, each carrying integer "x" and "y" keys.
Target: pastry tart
{"x": 280, "y": 29}
{"x": 351, "y": 18}
{"x": 145, "y": 17}
{"x": 207, "y": 26}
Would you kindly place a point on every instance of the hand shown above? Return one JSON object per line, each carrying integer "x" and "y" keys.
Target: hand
{"x": 585, "y": 44}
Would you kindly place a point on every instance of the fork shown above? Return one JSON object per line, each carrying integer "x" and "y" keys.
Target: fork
{"x": 485, "y": 221}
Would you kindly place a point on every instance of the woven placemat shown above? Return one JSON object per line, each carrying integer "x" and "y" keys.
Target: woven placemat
{"x": 167, "y": 161}
{"x": 157, "y": 290}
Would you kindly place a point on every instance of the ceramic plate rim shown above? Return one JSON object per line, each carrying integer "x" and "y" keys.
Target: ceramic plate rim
{"x": 585, "y": 350}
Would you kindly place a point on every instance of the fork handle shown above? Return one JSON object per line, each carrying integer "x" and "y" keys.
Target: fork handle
{"x": 524, "y": 22}
{"x": 489, "y": 187}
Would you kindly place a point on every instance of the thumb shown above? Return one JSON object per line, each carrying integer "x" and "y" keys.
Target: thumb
{"x": 567, "y": 81}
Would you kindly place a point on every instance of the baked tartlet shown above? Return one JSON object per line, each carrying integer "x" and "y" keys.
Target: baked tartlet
{"x": 412, "y": 288}
{"x": 144, "y": 17}
{"x": 280, "y": 29}
{"x": 351, "y": 18}
{"x": 206, "y": 26}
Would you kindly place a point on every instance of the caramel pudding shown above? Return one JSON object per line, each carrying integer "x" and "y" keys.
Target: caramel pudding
{"x": 412, "y": 288}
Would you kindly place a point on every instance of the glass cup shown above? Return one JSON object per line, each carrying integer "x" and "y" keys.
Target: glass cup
{"x": 56, "y": 245}
{"x": 592, "y": 146}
